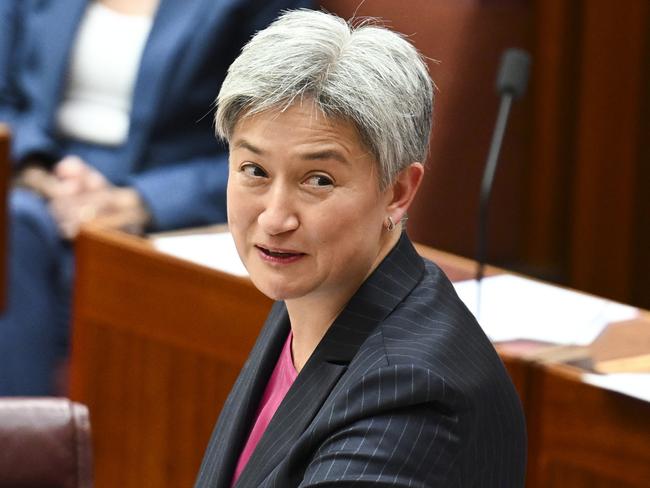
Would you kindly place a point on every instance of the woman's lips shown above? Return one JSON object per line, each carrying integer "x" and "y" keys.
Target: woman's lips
{"x": 278, "y": 256}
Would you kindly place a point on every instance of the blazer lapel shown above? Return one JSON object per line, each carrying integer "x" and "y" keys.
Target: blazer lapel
{"x": 302, "y": 402}
{"x": 174, "y": 25}
{"x": 386, "y": 287}
{"x": 57, "y": 44}
{"x": 237, "y": 415}
{"x": 169, "y": 27}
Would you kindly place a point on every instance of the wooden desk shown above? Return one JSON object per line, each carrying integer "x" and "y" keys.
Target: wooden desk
{"x": 159, "y": 341}
{"x": 157, "y": 345}
{"x": 584, "y": 436}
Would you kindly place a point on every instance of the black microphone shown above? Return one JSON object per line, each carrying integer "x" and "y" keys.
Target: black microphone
{"x": 511, "y": 84}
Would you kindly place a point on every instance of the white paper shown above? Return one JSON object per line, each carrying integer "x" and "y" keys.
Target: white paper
{"x": 215, "y": 250}
{"x": 636, "y": 385}
{"x": 512, "y": 307}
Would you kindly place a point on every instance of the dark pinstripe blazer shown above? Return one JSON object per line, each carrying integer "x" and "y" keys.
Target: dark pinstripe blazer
{"x": 403, "y": 390}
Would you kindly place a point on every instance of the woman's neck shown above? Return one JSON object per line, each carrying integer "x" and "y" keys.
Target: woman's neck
{"x": 312, "y": 316}
{"x": 144, "y": 8}
{"x": 310, "y": 319}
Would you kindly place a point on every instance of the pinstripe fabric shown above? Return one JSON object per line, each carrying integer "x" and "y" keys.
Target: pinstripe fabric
{"x": 403, "y": 390}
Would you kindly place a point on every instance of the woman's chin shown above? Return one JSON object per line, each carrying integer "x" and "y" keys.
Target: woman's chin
{"x": 277, "y": 291}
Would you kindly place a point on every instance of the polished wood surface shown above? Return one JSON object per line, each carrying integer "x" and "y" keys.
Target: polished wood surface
{"x": 582, "y": 436}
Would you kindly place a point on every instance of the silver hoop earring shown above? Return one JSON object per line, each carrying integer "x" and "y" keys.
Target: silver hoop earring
{"x": 390, "y": 225}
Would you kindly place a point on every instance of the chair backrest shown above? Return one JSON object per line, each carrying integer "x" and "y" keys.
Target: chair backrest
{"x": 5, "y": 167}
{"x": 44, "y": 442}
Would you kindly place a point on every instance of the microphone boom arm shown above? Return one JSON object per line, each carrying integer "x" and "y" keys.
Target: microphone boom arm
{"x": 511, "y": 83}
{"x": 488, "y": 180}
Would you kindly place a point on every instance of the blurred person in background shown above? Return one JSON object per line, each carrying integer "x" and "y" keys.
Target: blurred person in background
{"x": 107, "y": 101}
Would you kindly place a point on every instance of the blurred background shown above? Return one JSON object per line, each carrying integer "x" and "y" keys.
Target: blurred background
{"x": 571, "y": 203}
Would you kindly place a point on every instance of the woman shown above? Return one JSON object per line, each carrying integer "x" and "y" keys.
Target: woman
{"x": 107, "y": 102}
{"x": 369, "y": 369}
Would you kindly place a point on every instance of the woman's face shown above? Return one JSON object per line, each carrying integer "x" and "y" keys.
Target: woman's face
{"x": 304, "y": 205}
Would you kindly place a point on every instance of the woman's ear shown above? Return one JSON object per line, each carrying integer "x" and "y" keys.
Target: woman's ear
{"x": 403, "y": 190}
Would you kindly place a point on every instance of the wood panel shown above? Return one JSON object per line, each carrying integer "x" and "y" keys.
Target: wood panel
{"x": 583, "y": 436}
{"x": 553, "y": 94}
{"x": 613, "y": 84}
{"x": 157, "y": 345}
{"x": 588, "y": 221}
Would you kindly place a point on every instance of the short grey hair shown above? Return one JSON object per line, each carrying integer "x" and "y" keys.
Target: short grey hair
{"x": 367, "y": 74}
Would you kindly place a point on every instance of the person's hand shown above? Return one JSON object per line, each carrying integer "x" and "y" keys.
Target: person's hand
{"x": 75, "y": 177}
{"x": 84, "y": 195}
{"x": 110, "y": 206}
{"x": 78, "y": 193}
{"x": 70, "y": 176}
{"x": 39, "y": 180}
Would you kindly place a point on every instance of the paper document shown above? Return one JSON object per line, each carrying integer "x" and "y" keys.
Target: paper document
{"x": 636, "y": 385}
{"x": 513, "y": 307}
{"x": 215, "y": 250}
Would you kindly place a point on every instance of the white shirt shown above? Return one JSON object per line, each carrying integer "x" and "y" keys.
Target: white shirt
{"x": 105, "y": 59}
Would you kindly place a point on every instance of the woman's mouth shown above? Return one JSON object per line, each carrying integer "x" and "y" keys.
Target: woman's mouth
{"x": 278, "y": 256}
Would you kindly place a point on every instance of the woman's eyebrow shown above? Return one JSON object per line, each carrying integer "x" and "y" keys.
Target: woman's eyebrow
{"x": 244, "y": 144}
{"x": 319, "y": 155}
{"x": 325, "y": 154}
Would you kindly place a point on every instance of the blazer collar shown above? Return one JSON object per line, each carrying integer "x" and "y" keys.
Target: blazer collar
{"x": 174, "y": 25}
{"x": 377, "y": 297}
{"x": 58, "y": 41}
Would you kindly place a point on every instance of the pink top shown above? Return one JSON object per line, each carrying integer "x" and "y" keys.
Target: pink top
{"x": 281, "y": 380}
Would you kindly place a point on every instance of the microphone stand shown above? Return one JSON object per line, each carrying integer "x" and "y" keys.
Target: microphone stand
{"x": 488, "y": 180}
{"x": 511, "y": 83}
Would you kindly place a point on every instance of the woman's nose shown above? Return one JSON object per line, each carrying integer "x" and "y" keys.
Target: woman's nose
{"x": 278, "y": 215}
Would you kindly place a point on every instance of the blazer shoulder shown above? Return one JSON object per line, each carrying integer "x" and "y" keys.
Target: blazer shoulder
{"x": 432, "y": 329}
{"x": 432, "y": 320}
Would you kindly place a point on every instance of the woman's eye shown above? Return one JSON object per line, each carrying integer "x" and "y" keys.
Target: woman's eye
{"x": 253, "y": 170}
{"x": 319, "y": 180}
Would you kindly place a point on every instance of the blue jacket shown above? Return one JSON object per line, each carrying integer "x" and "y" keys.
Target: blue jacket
{"x": 171, "y": 155}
